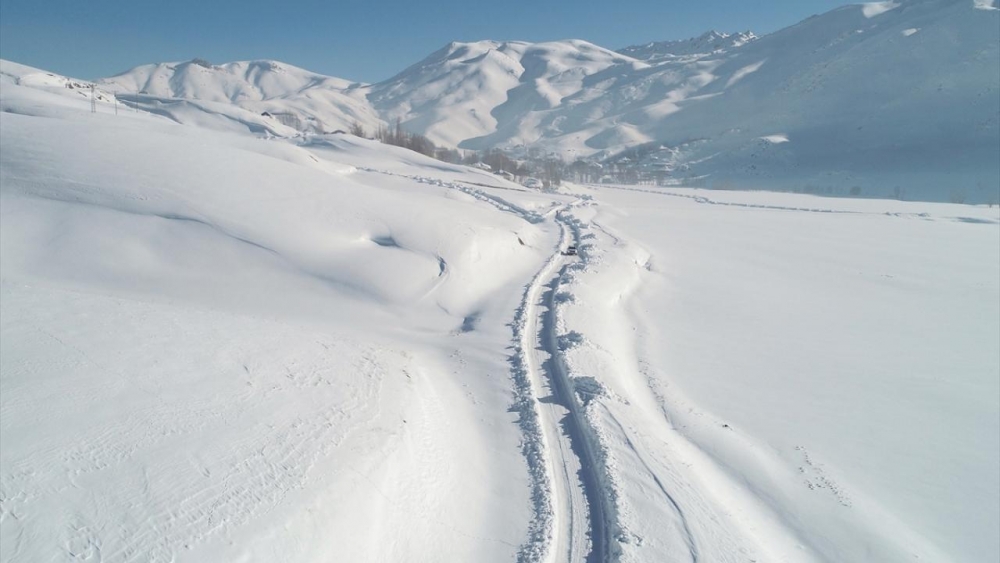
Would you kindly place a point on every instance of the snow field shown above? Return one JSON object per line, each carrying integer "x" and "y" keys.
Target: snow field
{"x": 811, "y": 404}
{"x": 657, "y": 513}
{"x": 262, "y": 354}
{"x": 149, "y": 456}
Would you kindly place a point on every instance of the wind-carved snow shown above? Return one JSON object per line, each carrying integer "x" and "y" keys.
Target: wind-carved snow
{"x": 775, "y": 139}
{"x": 872, "y": 9}
{"x": 984, "y": 4}
{"x": 739, "y": 74}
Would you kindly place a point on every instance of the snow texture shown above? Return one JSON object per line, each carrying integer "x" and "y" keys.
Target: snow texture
{"x": 229, "y": 336}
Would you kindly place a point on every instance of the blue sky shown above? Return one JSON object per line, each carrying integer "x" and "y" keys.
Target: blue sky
{"x": 356, "y": 39}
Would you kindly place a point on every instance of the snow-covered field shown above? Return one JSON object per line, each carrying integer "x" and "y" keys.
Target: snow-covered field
{"x": 804, "y": 378}
{"x": 220, "y": 348}
{"x": 216, "y": 346}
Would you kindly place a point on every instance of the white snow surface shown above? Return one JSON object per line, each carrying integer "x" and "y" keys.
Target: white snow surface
{"x": 824, "y": 374}
{"x": 217, "y": 348}
{"x": 227, "y": 339}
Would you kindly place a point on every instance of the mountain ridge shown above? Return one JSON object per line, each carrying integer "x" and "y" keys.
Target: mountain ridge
{"x": 861, "y": 96}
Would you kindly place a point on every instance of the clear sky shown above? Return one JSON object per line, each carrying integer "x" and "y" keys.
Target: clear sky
{"x": 364, "y": 40}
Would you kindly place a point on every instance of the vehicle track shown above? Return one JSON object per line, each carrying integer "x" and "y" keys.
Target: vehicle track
{"x": 572, "y": 516}
{"x": 580, "y": 527}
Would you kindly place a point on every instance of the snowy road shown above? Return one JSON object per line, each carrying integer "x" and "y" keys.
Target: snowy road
{"x": 579, "y": 529}
{"x": 575, "y": 525}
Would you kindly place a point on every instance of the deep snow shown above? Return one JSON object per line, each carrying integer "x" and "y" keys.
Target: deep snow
{"x": 824, "y": 373}
{"x": 217, "y": 347}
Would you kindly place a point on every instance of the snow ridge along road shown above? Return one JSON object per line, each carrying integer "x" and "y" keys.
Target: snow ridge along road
{"x": 579, "y": 520}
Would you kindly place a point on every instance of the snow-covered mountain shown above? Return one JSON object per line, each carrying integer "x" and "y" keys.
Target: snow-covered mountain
{"x": 903, "y": 98}
{"x": 297, "y": 98}
{"x": 450, "y": 95}
{"x": 894, "y": 99}
{"x": 487, "y": 94}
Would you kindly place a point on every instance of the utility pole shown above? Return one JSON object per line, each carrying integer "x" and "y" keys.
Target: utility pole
{"x": 93, "y": 99}
{"x": 116, "y": 101}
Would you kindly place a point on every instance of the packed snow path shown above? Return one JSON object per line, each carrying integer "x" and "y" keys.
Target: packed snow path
{"x": 580, "y": 522}
{"x": 571, "y": 520}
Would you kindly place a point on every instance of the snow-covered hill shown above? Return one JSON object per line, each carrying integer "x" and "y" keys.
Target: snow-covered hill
{"x": 902, "y": 101}
{"x": 486, "y": 94}
{"x": 220, "y": 342}
{"x": 889, "y": 99}
{"x": 450, "y": 95}
{"x": 297, "y": 98}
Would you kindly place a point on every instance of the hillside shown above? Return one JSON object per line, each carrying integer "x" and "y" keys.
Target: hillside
{"x": 903, "y": 102}
{"x": 212, "y": 342}
{"x": 490, "y": 94}
{"x": 296, "y": 98}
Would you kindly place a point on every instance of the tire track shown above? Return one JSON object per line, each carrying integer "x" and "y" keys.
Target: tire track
{"x": 581, "y": 523}
{"x": 572, "y": 518}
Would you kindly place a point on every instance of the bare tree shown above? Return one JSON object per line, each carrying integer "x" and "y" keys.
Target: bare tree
{"x": 358, "y": 130}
